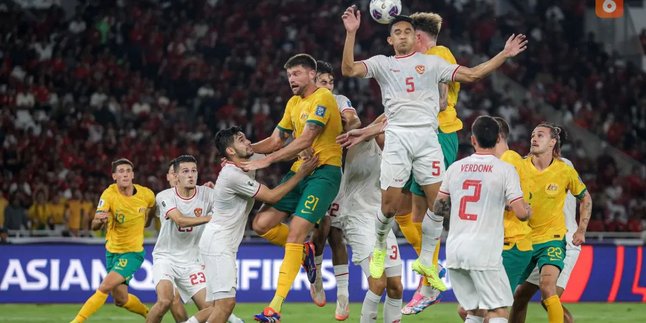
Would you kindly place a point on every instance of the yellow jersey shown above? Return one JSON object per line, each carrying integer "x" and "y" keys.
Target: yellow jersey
{"x": 57, "y": 211}
{"x": 3, "y": 204}
{"x": 127, "y": 218}
{"x": 319, "y": 108}
{"x": 516, "y": 231}
{"x": 75, "y": 208}
{"x": 547, "y": 191}
{"x": 39, "y": 212}
{"x": 448, "y": 119}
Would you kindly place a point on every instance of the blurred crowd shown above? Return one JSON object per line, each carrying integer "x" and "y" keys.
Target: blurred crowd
{"x": 150, "y": 80}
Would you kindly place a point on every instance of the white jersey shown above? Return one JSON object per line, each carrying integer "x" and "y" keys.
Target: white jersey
{"x": 343, "y": 102}
{"x": 479, "y": 186}
{"x": 409, "y": 86}
{"x": 232, "y": 202}
{"x": 569, "y": 209}
{"x": 360, "y": 180}
{"x": 176, "y": 243}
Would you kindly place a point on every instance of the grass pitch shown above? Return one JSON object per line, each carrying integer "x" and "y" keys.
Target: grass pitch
{"x": 304, "y": 312}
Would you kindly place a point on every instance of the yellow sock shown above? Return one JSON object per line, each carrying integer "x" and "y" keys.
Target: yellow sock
{"x": 277, "y": 235}
{"x": 288, "y": 271}
{"x": 418, "y": 227}
{"x": 93, "y": 304}
{"x": 554, "y": 309}
{"x": 436, "y": 255}
{"x": 409, "y": 230}
{"x": 136, "y": 306}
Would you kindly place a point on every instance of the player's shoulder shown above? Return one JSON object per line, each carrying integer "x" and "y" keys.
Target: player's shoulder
{"x": 110, "y": 191}
{"x": 166, "y": 193}
{"x": 511, "y": 157}
{"x": 340, "y": 97}
{"x": 324, "y": 93}
{"x": 563, "y": 165}
{"x": 145, "y": 191}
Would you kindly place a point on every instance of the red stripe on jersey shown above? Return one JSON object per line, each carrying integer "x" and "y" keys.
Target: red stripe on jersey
{"x": 366, "y": 65}
{"x": 186, "y": 199}
{"x": 254, "y": 195}
{"x": 455, "y": 71}
{"x": 404, "y": 56}
{"x": 166, "y": 215}
{"x": 514, "y": 200}
{"x": 445, "y": 193}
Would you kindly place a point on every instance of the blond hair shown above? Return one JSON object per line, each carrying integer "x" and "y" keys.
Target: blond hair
{"x": 428, "y": 22}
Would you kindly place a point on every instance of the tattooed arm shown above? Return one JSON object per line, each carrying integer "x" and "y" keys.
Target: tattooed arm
{"x": 271, "y": 143}
{"x": 585, "y": 211}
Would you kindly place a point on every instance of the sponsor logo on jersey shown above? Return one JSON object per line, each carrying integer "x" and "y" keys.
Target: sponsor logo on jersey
{"x": 320, "y": 110}
{"x": 420, "y": 69}
{"x": 198, "y": 212}
{"x": 250, "y": 183}
{"x": 123, "y": 262}
{"x": 164, "y": 203}
{"x": 101, "y": 203}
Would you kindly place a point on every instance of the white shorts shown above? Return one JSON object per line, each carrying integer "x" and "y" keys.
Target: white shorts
{"x": 481, "y": 289}
{"x": 415, "y": 148}
{"x": 188, "y": 279}
{"x": 571, "y": 256}
{"x": 336, "y": 216}
{"x": 359, "y": 233}
{"x": 221, "y": 274}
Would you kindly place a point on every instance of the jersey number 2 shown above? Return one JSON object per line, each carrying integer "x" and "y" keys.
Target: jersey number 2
{"x": 475, "y": 197}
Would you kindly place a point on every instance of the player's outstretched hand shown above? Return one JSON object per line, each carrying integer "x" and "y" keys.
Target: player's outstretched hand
{"x": 578, "y": 238}
{"x": 351, "y": 18}
{"x": 353, "y": 137}
{"x": 309, "y": 165}
{"x": 255, "y": 164}
{"x": 515, "y": 45}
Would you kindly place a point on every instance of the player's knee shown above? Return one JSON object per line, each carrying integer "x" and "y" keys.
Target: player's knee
{"x": 395, "y": 290}
{"x": 120, "y": 301}
{"x": 260, "y": 226}
{"x": 164, "y": 303}
{"x": 377, "y": 285}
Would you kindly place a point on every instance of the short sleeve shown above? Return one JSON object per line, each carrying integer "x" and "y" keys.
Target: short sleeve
{"x": 285, "y": 123}
{"x": 344, "y": 103}
{"x": 576, "y": 185}
{"x": 445, "y": 72}
{"x": 150, "y": 199}
{"x": 320, "y": 111}
{"x": 375, "y": 66}
{"x": 513, "y": 192}
{"x": 241, "y": 184}
{"x": 165, "y": 203}
{"x": 104, "y": 202}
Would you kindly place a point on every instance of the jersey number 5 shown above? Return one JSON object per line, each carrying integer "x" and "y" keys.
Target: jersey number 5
{"x": 410, "y": 85}
{"x": 475, "y": 197}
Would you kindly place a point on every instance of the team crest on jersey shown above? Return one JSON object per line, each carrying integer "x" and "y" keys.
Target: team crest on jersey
{"x": 198, "y": 212}
{"x": 420, "y": 69}
{"x": 552, "y": 189}
{"x": 320, "y": 110}
{"x": 304, "y": 116}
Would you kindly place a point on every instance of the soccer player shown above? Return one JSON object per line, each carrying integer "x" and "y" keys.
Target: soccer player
{"x": 479, "y": 187}
{"x": 572, "y": 251}
{"x": 176, "y": 264}
{"x": 409, "y": 85}
{"x": 427, "y": 29}
{"x": 361, "y": 199}
{"x": 312, "y": 116}
{"x": 122, "y": 210}
{"x": 331, "y": 227}
{"x": 233, "y": 198}
{"x": 550, "y": 181}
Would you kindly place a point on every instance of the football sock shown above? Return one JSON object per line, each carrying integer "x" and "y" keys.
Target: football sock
{"x": 554, "y": 309}
{"x": 392, "y": 310}
{"x": 382, "y": 228}
{"x": 409, "y": 230}
{"x": 288, "y": 271}
{"x": 474, "y": 319}
{"x": 432, "y": 229}
{"x": 135, "y": 305}
{"x": 93, "y": 304}
{"x": 277, "y": 235}
{"x": 342, "y": 275}
{"x": 369, "y": 307}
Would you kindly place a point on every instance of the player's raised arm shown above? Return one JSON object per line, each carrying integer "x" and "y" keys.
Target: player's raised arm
{"x": 515, "y": 45}
{"x": 272, "y": 196}
{"x": 273, "y": 142}
{"x": 355, "y": 136}
{"x": 351, "y": 20}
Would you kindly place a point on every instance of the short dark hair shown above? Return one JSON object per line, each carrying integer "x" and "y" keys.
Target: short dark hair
{"x": 485, "y": 129}
{"x": 323, "y": 67}
{"x": 183, "y": 159}
{"x": 504, "y": 127}
{"x": 398, "y": 19}
{"x": 302, "y": 59}
{"x": 224, "y": 139}
{"x": 121, "y": 161}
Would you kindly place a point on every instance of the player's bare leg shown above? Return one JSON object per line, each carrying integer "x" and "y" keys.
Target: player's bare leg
{"x": 165, "y": 296}
{"x": 177, "y": 309}
{"x": 112, "y": 283}
{"x": 268, "y": 224}
{"x": 319, "y": 236}
{"x": 390, "y": 199}
{"x": 475, "y": 316}
{"x": 341, "y": 272}
{"x": 522, "y": 296}
{"x": 431, "y": 232}
{"x": 549, "y": 297}
{"x": 222, "y": 309}
{"x": 128, "y": 301}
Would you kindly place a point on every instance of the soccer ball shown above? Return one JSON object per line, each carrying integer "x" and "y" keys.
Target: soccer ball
{"x": 384, "y": 11}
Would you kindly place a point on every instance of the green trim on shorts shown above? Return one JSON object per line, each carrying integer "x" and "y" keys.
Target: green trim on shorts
{"x": 449, "y": 143}
{"x": 515, "y": 262}
{"x": 312, "y": 196}
{"x": 546, "y": 253}
{"x": 125, "y": 264}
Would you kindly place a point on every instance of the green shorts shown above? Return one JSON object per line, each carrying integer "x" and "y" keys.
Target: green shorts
{"x": 313, "y": 195}
{"x": 515, "y": 263}
{"x": 125, "y": 264}
{"x": 449, "y": 143}
{"x": 546, "y": 253}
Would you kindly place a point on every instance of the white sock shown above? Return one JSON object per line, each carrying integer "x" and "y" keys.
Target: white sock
{"x": 392, "y": 310}
{"x": 497, "y": 320}
{"x": 342, "y": 276}
{"x": 192, "y": 320}
{"x": 369, "y": 307}
{"x": 474, "y": 319}
{"x": 382, "y": 228}
{"x": 318, "y": 260}
{"x": 428, "y": 291}
{"x": 431, "y": 232}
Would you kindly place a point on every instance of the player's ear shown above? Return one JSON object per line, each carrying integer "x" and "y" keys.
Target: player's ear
{"x": 389, "y": 40}
{"x": 114, "y": 176}
{"x": 312, "y": 73}
{"x": 230, "y": 151}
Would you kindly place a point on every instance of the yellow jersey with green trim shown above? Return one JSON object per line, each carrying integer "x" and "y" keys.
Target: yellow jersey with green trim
{"x": 319, "y": 108}
{"x": 127, "y": 218}
{"x": 516, "y": 231}
{"x": 547, "y": 191}
{"x": 448, "y": 119}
